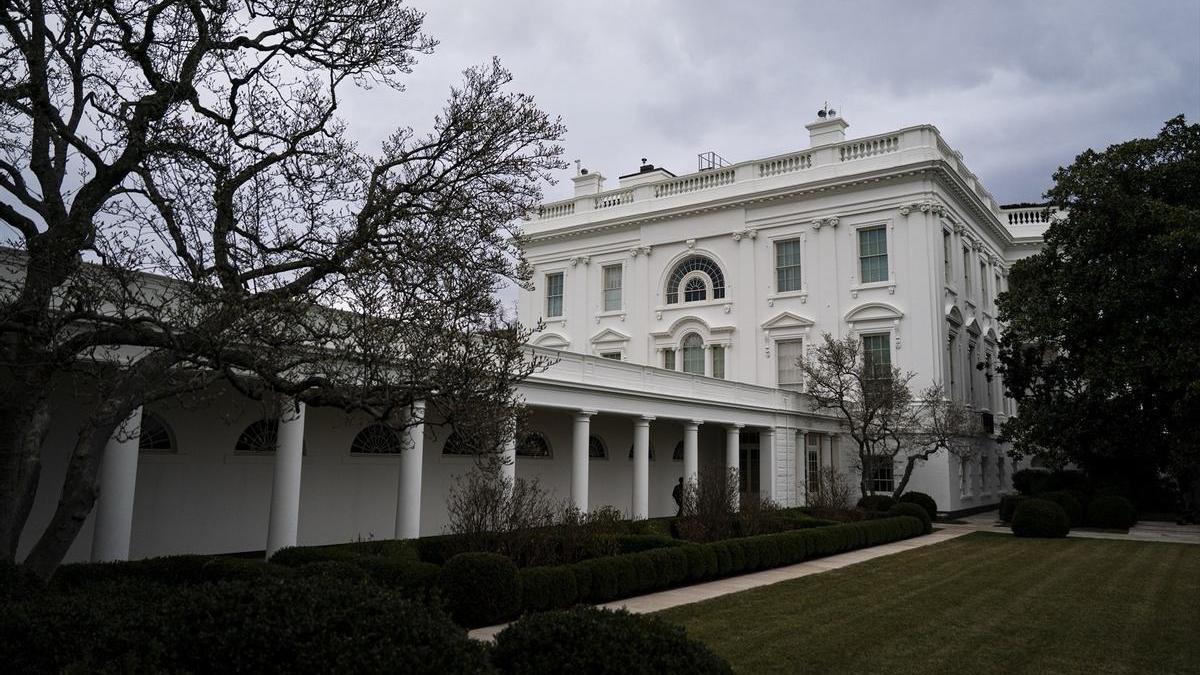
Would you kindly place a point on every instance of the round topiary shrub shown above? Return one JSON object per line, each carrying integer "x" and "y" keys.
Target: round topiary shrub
{"x": 1008, "y": 506}
{"x": 914, "y": 510}
{"x": 593, "y": 640}
{"x": 1113, "y": 512}
{"x": 876, "y": 503}
{"x": 1037, "y": 517}
{"x": 1069, "y": 503}
{"x": 480, "y": 589}
{"x": 920, "y": 499}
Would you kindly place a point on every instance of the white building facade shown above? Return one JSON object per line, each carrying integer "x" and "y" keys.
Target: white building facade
{"x": 675, "y": 307}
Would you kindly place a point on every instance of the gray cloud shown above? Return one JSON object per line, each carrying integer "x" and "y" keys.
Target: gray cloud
{"x": 1018, "y": 87}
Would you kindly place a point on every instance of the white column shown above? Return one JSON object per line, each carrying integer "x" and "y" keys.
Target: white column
{"x": 766, "y": 463}
{"x": 579, "y": 459}
{"x": 408, "y": 499}
{"x": 691, "y": 451}
{"x": 641, "y": 467}
{"x": 118, "y": 480}
{"x": 732, "y": 456}
{"x": 708, "y": 360}
{"x": 833, "y": 458}
{"x": 803, "y": 480}
{"x": 508, "y": 461}
{"x": 284, "y": 520}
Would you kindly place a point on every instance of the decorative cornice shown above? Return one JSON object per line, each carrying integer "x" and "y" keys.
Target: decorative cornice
{"x": 831, "y": 221}
{"x": 746, "y": 232}
{"x": 925, "y": 206}
{"x": 639, "y": 250}
{"x": 580, "y": 259}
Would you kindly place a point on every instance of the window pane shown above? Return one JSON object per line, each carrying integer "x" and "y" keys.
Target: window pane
{"x": 966, "y": 271}
{"x": 612, "y": 288}
{"x": 554, "y": 294}
{"x": 615, "y": 356}
{"x": 718, "y": 356}
{"x": 695, "y": 263}
{"x": 693, "y": 354}
{"x": 947, "y": 271}
{"x": 695, "y": 290}
{"x": 872, "y": 254}
{"x": 787, "y": 266}
{"x": 669, "y": 359}
{"x": 877, "y": 355}
{"x": 787, "y": 354}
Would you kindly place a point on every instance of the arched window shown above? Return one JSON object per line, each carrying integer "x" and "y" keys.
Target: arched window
{"x": 707, "y": 275}
{"x": 693, "y": 354}
{"x": 651, "y": 452}
{"x": 376, "y": 439}
{"x": 155, "y": 435}
{"x": 677, "y": 455}
{"x": 596, "y": 448}
{"x": 533, "y": 444}
{"x": 260, "y": 437}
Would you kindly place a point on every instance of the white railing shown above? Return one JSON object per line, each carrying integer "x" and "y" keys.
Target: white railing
{"x": 558, "y": 210}
{"x": 868, "y": 148}
{"x": 1032, "y": 215}
{"x": 782, "y": 165}
{"x": 694, "y": 183}
{"x": 611, "y": 199}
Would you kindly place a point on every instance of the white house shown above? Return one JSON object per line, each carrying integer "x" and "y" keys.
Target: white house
{"x": 676, "y": 306}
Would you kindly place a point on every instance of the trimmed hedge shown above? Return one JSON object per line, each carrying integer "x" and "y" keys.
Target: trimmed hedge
{"x": 920, "y": 499}
{"x": 876, "y": 502}
{"x": 270, "y": 625}
{"x": 916, "y": 511}
{"x": 605, "y": 579}
{"x": 174, "y": 570}
{"x": 17, "y": 583}
{"x": 1008, "y": 506}
{"x": 1112, "y": 512}
{"x": 480, "y": 589}
{"x": 635, "y": 543}
{"x": 593, "y": 640}
{"x": 411, "y": 578}
{"x": 1069, "y": 502}
{"x": 1036, "y": 517}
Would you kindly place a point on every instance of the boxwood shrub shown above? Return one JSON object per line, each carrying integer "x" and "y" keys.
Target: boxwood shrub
{"x": 916, "y": 511}
{"x": 635, "y": 543}
{"x": 1037, "y": 517}
{"x": 593, "y": 640}
{"x": 876, "y": 502}
{"x": 1069, "y": 502}
{"x": 1008, "y": 506}
{"x": 480, "y": 589}
{"x": 269, "y": 625}
{"x": 411, "y": 578}
{"x": 546, "y": 588}
{"x": 920, "y": 499}
{"x": 1113, "y": 512}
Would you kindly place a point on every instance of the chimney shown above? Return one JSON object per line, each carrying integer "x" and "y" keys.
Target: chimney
{"x": 587, "y": 183}
{"x": 826, "y": 130}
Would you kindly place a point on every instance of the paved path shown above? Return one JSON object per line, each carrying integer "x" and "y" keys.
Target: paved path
{"x": 644, "y": 604}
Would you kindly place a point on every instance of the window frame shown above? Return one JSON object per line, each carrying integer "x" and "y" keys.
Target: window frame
{"x": 619, "y": 289}
{"x": 798, "y": 265}
{"x": 778, "y": 349}
{"x": 683, "y": 352}
{"x": 562, "y": 293}
{"x": 859, "y": 232}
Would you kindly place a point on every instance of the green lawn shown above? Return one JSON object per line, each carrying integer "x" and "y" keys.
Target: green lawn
{"x": 982, "y": 603}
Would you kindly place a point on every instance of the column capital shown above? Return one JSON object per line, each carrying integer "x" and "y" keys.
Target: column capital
{"x": 643, "y": 420}
{"x": 734, "y": 426}
{"x": 582, "y": 415}
{"x": 692, "y": 423}
{"x": 770, "y": 431}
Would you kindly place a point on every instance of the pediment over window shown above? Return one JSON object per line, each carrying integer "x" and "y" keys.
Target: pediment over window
{"x": 609, "y": 336}
{"x": 954, "y": 316}
{"x": 692, "y": 323}
{"x": 973, "y": 327}
{"x": 787, "y": 320}
{"x": 551, "y": 341}
{"x": 874, "y": 311}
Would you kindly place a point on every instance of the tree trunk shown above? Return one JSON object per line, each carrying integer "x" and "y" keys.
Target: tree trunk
{"x": 910, "y": 464}
{"x": 24, "y": 422}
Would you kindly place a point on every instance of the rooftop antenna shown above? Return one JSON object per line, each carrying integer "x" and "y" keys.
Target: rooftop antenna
{"x": 710, "y": 160}
{"x": 826, "y": 111}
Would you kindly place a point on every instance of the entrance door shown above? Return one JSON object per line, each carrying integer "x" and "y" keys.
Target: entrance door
{"x": 748, "y": 463}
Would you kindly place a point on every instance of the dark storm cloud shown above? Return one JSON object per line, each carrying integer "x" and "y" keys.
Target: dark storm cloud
{"x": 1018, "y": 87}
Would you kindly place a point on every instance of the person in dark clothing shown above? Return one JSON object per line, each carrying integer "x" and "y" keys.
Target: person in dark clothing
{"x": 677, "y": 495}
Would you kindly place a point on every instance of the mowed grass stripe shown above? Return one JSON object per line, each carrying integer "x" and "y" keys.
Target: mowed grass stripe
{"x": 983, "y": 603}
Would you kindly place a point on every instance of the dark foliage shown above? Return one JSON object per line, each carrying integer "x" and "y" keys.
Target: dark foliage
{"x": 1036, "y": 517}
{"x": 920, "y": 499}
{"x": 268, "y": 626}
{"x": 545, "y": 588}
{"x": 592, "y": 640}
{"x": 1070, "y": 502}
{"x": 916, "y": 511}
{"x": 1008, "y": 506}
{"x": 1112, "y": 512}
{"x": 876, "y": 502}
{"x": 480, "y": 589}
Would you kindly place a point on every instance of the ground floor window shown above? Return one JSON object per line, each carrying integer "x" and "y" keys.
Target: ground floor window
{"x": 880, "y": 474}
{"x": 669, "y": 359}
{"x": 749, "y": 463}
{"x": 813, "y": 472}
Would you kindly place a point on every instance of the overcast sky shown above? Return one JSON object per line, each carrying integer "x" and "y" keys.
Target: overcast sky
{"x": 1018, "y": 87}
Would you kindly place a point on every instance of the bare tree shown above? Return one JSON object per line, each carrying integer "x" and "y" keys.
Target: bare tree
{"x": 197, "y": 142}
{"x": 709, "y": 503}
{"x": 878, "y": 410}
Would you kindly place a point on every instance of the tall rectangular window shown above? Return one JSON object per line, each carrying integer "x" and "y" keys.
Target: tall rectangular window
{"x": 669, "y": 359}
{"x": 951, "y": 349}
{"x": 947, "y": 264}
{"x": 872, "y": 254}
{"x": 983, "y": 290}
{"x": 813, "y": 455}
{"x": 966, "y": 271}
{"x": 880, "y": 474}
{"x": 971, "y": 373}
{"x": 877, "y": 355}
{"x": 612, "y": 287}
{"x": 554, "y": 294}
{"x": 718, "y": 357}
{"x": 991, "y": 397}
{"x": 787, "y": 361}
{"x": 995, "y": 289}
{"x": 787, "y": 265}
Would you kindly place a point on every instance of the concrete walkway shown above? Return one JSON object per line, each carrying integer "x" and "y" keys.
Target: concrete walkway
{"x": 644, "y": 604}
